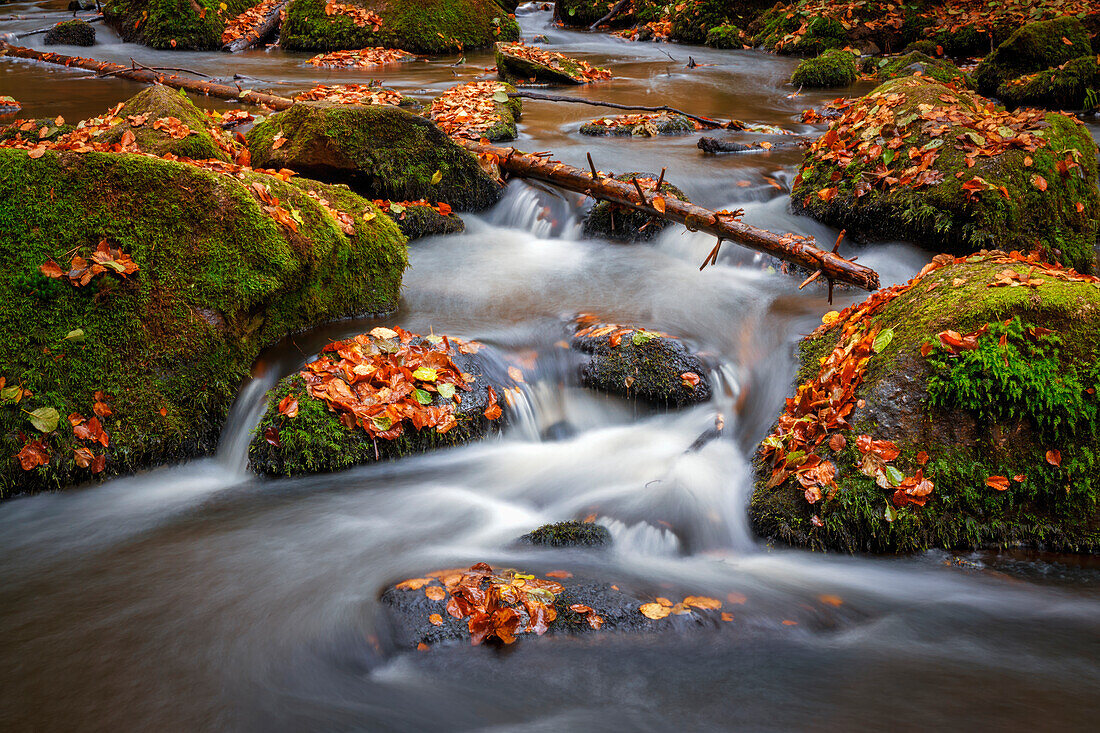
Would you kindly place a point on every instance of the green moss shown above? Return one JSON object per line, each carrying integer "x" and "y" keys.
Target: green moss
{"x": 941, "y": 70}
{"x": 782, "y": 31}
{"x": 157, "y": 102}
{"x": 924, "y": 46}
{"x": 179, "y": 24}
{"x": 424, "y": 221}
{"x": 941, "y": 216}
{"x": 70, "y": 33}
{"x": 583, "y": 13}
{"x": 420, "y": 26}
{"x": 1034, "y": 47}
{"x": 725, "y": 36}
{"x": 53, "y": 130}
{"x": 993, "y": 411}
{"x": 382, "y": 151}
{"x": 834, "y": 68}
{"x": 219, "y": 279}
{"x": 693, "y": 19}
{"x": 568, "y": 534}
{"x": 643, "y": 366}
{"x": 1064, "y": 87}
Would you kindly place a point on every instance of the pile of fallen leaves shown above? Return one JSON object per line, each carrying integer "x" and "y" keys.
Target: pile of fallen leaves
{"x": 872, "y": 135}
{"x": 592, "y": 328}
{"x": 351, "y": 94}
{"x": 81, "y": 271}
{"x": 361, "y": 58}
{"x": 88, "y": 433}
{"x": 469, "y": 110}
{"x": 245, "y": 24}
{"x": 400, "y": 208}
{"x": 495, "y": 604}
{"x": 389, "y": 378}
{"x": 360, "y": 16}
{"x": 575, "y": 68}
{"x": 658, "y": 30}
{"x": 645, "y": 124}
{"x": 9, "y": 105}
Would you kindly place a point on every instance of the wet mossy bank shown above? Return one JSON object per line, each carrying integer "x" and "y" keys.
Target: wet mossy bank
{"x": 173, "y": 24}
{"x": 1008, "y": 431}
{"x": 167, "y": 346}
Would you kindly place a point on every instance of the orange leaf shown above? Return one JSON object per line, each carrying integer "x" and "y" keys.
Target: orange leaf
{"x": 435, "y": 592}
{"x": 658, "y": 203}
{"x": 703, "y": 602}
{"x": 436, "y": 619}
{"x": 1000, "y": 483}
{"x": 654, "y": 611}
{"x": 288, "y": 406}
{"x": 1054, "y": 457}
{"x": 1039, "y": 182}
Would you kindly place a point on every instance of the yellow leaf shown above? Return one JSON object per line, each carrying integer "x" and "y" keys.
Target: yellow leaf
{"x": 659, "y": 204}
{"x": 654, "y": 611}
{"x": 437, "y": 177}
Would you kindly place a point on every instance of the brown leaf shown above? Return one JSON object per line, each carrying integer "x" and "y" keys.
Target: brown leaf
{"x": 288, "y": 406}
{"x": 435, "y": 592}
{"x": 1054, "y": 457}
{"x": 1000, "y": 483}
{"x": 837, "y": 442}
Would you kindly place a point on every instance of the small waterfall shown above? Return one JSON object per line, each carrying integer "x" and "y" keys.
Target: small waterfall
{"x": 243, "y": 418}
{"x": 544, "y": 213}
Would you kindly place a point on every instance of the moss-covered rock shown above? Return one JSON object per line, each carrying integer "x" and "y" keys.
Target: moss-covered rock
{"x": 1021, "y": 407}
{"x": 32, "y": 130}
{"x": 316, "y": 441}
{"x": 917, "y": 62}
{"x": 925, "y": 46}
{"x": 168, "y": 346}
{"x": 418, "y": 26}
{"x": 568, "y": 534}
{"x": 1064, "y": 87}
{"x": 417, "y": 222}
{"x": 636, "y": 363}
{"x": 623, "y": 224}
{"x": 142, "y": 111}
{"x": 795, "y": 34}
{"x": 520, "y": 64}
{"x": 383, "y": 152}
{"x": 478, "y": 109}
{"x": 583, "y": 13}
{"x": 948, "y": 205}
{"x": 179, "y": 24}
{"x": 644, "y": 125}
{"x": 1034, "y": 47}
{"x": 693, "y": 20}
{"x": 70, "y": 33}
{"x": 725, "y": 35}
{"x": 833, "y": 68}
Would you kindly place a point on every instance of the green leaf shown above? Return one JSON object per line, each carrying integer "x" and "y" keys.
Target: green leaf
{"x": 894, "y": 476}
{"x": 76, "y": 336}
{"x": 641, "y": 338}
{"x": 885, "y": 336}
{"x": 933, "y": 144}
{"x": 796, "y": 458}
{"x": 888, "y": 155}
{"x": 296, "y": 215}
{"x": 889, "y": 515}
{"x": 44, "y": 419}
{"x": 117, "y": 267}
{"x": 500, "y": 96}
{"x": 434, "y": 339}
{"x": 422, "y": 396}
{"x": 9, "y": 394}
{"x": 437, "y": 177}
{"x": 446, "y": 391}
{"x": 244, "y": 93}
{"x": 396, "y": 208}
{"x": 425, "y": 374}
{"x": 382, "y": 422}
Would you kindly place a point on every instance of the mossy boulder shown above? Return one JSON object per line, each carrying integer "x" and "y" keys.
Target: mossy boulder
{"x": 1034, "y": 47}
{"x": 1064, "y": 87}
{"x": 568, "y": 534}
{"x": 925, "y": 46}
{"x": 417, "y": 26}
{"x": 168, "y": 346}
{"x": 646, "y": 125}
{"x": 1006, "y": 430}
{"x": 141, "y": 112}
{"x": 725, "y": 35}
{"x": 381, "y": 151}
{"x": 557, "y": 68}
{"x": 583, "y": 13}
{"x": 917, "y": 62}
{"x": 638, "y": 364}
{"x": 417, "y": 222}
{"x": 32, "y": 130}
{"x": 179, "y": 24}
{"x": 692, "y": 20}
{"x": 801, "y": 34}
{"x": 1049, "y": 200}
{"x": 479, "y": 109}
{"x": 316, "y": 441}
{"x": 833, "y": 68}
{"x": 70, "y": 33}
{"x": 623, "y": 224}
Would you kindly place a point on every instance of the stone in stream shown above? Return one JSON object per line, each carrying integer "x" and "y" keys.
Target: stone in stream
{"x": 165, "y": 121}
{"x": 445, "y": 606}
{"x": 521, "y": 64}
{"x": 917, "y": 62}
{"x": 624, "y": 224}
{"x": 834, "y": 68}
{"x": 383, "y": 152}
{"x": 378, "y": 396}
{"x": 1031, "y": 183}
{"x": 973, "y": 423}
{"x": 70, "y": 33}
{"x": 568, "y": 534}
{"x": 156, "y": 356}
{"x": 196, "y": 25}
{"x": 639, "y": 125}
{"x": 478, "y": 109}
{"x": 693, "y": 20}
{"x": 1034, "y": 47}
{"x": 635, "y": 363}
{"x": 1064, "y": 87}
{"x": 421, "y": 220}
{"x": 420, "y": 26}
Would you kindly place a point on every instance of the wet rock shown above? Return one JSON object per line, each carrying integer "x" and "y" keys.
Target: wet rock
{"x": 314, "y": 437}
{"x": 478, "y": 109}
{"x": 636, "y": 363}
{"x": 160, "y": 104}
{"x": 961, "y": 392}
{"x": 417, "y": 222}
{"x": 1063, "y": 87}
{"x": 725, "y": 36}
{"x": 568, "y": 534}
{"x": 424, "y": 27}
{"x": 1034, "y": 47}
{"x": 70, "y": 33}
{"x": 715, "y": 145}
{"x": 165, "y": 348}
{"x": 171, "y": 24}
{"x": 834, "y": 68}
{"x": 693, "y": 20}
{"x": 917, "y": 62}
{"x": 623, "y": 224}
{"x": 639, "y": 125}
{"x": 934, "y": 197}
{"x": 382, "y": 152}
{"x": 519, "y": 64}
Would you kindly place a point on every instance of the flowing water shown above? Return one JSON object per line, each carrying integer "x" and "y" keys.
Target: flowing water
{"x": 195, "y": 597}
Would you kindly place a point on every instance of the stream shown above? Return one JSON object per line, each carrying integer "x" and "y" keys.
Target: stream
{"x": 197, "y": 597}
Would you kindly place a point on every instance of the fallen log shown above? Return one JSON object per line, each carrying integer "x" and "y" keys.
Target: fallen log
{"x": 148, "y": 76}
{"x": 714, "y": 145}
{"x": 259, "y": 29}
{"x": 610, "y": 14}
{"x": 792, "y": 248}
{"x": 795, "y": 249}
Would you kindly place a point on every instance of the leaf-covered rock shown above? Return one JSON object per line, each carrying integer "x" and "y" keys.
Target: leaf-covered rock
{"x": 1063, "y": 87}
{"x": 518, "y": 63}
{"x": 163, "y": 120}
{"x": 179, "y": 24}
{"x": 917, "y": 62}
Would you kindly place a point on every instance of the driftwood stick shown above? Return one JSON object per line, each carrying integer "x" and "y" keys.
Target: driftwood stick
{"x": 259, "y": 32}
{"x": 705, "y": 121}
{"x": 610, "y": 14}
{"x": 592, "y": 166}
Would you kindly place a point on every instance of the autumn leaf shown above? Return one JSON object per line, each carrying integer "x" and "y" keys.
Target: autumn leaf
{"x": 1000, "y": 483}
{"x": 1054, "y": 457}
{"x": 288, "y": 406}
{"x": 559, "y": 574}
{"x": 654, "y": 611}
{"x": 922, "y": 458}
{"x": 1039, "y": 182}
{"x": 658, "y": 203}
{"x": 33, "y": 454}
{"x": 830, "y": 600}
{"x": 435, "y": 592}
{"x": 690, "y": 380}
{"x": 436, "y": 177}
{"x": 413, "y": 583}
{"x": 703, "y": 602}
{"x": 44, "y": 419}
{"x": 51, "y": 269}
{"x": 837, "y": 442}
{"x": 435, "y": 619}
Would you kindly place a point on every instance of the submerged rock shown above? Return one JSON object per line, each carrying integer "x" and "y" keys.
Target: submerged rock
{"x": 568, "y": 534}
{"x": 1032, "y": 184}
{"x": 636, "y": 363}
{"x": 424, "y": 26}
{"x": 1034, "y": 47}
{"x": 156, "y": 355}
{"x": 421, "y": 220}
{"x": 383, "y": 152}
{"x": 519, "y": 64}
{"x": 374, "y": 397}
{"x": 640, "y": 125}
{"x": 834, "y": 68}
{"x": 624, "y": 224}
{"x": 70, "y": 33}
{"x": 973, "y": 422}
{"x": 163, "y": 121}
{"x": 196, "y": 25}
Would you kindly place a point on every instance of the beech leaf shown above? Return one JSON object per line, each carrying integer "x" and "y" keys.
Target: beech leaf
{"x": 44, "y": 419}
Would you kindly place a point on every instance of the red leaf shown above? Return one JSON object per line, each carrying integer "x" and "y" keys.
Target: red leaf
{"x": 1000, "y": 483}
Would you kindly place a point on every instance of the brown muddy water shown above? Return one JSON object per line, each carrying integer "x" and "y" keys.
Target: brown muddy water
{"x": 195, "y": 597}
